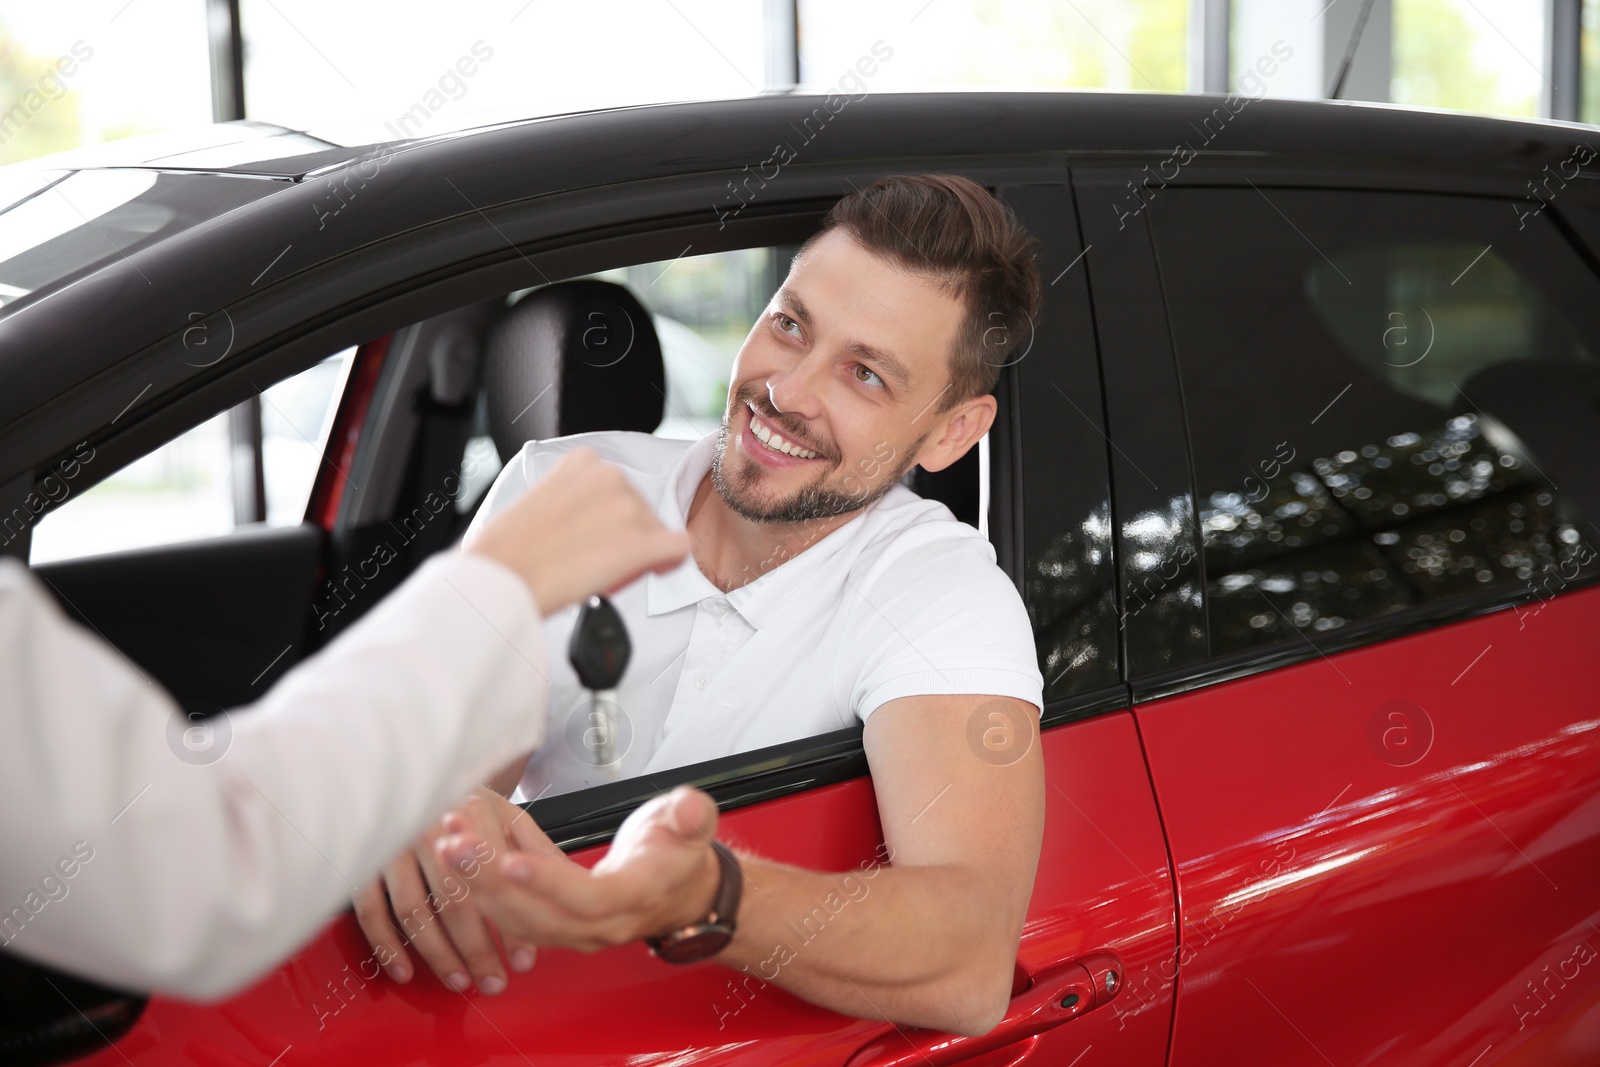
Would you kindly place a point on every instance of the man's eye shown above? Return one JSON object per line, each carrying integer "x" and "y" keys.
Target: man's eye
{"x": 863, "y": 367}
{"x": 784, "y": 322}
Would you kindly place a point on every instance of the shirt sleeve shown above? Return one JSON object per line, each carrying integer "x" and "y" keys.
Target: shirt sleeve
{"x": 939, "y": 618}
{"x": 148, "y": 852}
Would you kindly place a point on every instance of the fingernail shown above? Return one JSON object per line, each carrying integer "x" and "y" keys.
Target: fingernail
{"x": 522, "y": 959}
{"x": 458, "y": 981}
{"x": 518, "y": 870}
{"x": 491, "y": 985}
{"x": 400, "y": 972}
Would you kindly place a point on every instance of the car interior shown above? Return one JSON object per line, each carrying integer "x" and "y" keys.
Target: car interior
{"x": 417, "y": 423}
{"x": 470, "y": 388}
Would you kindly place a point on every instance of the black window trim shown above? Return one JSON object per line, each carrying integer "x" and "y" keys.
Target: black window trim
{"x": 1420, "y": 618}
{"x": 591, "y": 816}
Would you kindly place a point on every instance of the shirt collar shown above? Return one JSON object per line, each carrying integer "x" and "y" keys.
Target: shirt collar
{"x": 686, "y": 584}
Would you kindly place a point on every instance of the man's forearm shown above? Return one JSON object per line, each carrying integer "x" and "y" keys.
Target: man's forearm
{"x": 922, "y": 945}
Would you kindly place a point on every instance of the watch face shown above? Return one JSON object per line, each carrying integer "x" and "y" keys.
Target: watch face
{"x": 705, "y": 941}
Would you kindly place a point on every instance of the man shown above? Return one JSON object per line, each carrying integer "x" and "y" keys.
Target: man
{"x": 149, "y": 853}
{"x": 820, "y": 592}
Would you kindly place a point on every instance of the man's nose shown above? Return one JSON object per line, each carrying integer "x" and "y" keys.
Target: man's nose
{"x": 797, "y": 391}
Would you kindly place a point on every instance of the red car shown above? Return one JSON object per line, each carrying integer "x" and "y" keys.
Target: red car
{"x": 1296, "y": 476}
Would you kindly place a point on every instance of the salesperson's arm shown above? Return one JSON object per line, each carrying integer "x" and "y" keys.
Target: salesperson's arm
{"x": 131, "y": 860}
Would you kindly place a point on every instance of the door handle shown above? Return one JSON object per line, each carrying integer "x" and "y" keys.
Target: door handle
{"x": 1054, "y": 996}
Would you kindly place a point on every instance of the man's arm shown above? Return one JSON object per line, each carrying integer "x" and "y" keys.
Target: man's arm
{"x": 930, "y": 940}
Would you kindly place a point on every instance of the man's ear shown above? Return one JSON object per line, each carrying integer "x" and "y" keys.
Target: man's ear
{"x": 962, "y": 427}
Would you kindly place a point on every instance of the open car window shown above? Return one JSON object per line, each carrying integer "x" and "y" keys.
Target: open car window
{"x": 204, "y": 482}
{"x": 700, "y": 310}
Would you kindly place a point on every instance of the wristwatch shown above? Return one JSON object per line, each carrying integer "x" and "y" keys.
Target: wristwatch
{"x": 703, "y": 939}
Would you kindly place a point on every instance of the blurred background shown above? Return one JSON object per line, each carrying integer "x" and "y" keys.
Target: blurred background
{"x": 87, "y": 74}
{"x": 158, "y": 65}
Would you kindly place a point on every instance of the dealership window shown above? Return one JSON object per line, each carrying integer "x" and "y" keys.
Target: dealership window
{"x": 314, "y": 64}
{"x": 1589, "y": 79}
{"x": 188, "y": 488}
{"x": 74, "y": 75}
{"x": 1090, "y": 44}
{"x": 1391, "y": 402}
{"x": 1471, "y": 55}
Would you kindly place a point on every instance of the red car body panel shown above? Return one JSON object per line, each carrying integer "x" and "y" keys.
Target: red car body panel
{"x": 1103, "y": 885}
{"x": 1354, "y": 894}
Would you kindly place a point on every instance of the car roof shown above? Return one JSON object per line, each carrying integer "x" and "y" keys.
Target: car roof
{"x": 229, "y": 189}
{"x": 1343, "y": 127}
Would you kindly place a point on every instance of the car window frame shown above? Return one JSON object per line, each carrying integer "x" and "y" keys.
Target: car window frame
{"x": 249, "y": 437}
{"x": 1055, "y": 499}
{"x": 590, "y": 816}
{"x": 639, "y": 222}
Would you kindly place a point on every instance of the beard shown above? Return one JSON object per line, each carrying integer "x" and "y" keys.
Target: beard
{"x": 809, "y": 503}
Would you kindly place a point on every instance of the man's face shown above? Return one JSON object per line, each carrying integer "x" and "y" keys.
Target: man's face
{"x": 846, "y": 363}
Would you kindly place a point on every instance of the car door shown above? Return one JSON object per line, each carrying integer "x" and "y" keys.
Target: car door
{"x": 1358, "y": 637}
{"x": 1102, "y": 905}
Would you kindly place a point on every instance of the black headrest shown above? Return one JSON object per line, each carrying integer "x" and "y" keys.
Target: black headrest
{"x": 569, "y": 358}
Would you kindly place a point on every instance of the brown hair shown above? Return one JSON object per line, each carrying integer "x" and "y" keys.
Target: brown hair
{"x": 951, "y": 230}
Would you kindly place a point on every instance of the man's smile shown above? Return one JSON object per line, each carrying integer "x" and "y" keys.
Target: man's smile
{"x": 771, "y": 447}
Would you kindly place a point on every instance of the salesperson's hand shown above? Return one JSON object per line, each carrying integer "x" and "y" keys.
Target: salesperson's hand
{"x": 419, "y": 902}
{"x": 581, "y": 529}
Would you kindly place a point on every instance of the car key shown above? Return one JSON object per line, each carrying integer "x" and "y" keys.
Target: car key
{"x": 599, "y": 654}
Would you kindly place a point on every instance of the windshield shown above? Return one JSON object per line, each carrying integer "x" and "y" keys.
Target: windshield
{"x": 71, "y": 225}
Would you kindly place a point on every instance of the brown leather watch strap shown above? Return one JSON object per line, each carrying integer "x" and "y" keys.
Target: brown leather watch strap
{"x": 730, "y": 889}
{"x": 705, "y": 938}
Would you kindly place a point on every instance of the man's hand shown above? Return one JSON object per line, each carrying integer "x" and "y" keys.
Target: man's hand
{"x": 418, "y": 900}
{"x": 959, "y": 783}
{"x": 582, "y": 529}
{"x": 659, "y": 874}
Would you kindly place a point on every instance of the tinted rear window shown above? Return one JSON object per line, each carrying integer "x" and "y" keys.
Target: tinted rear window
{"x": 1392, "y": 399}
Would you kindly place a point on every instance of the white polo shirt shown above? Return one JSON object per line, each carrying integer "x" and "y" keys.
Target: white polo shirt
{"x": 903, "y": 599}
